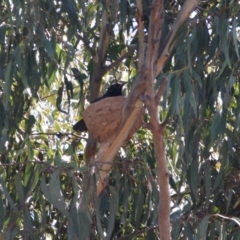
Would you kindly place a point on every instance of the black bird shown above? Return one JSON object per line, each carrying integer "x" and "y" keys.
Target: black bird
{"x": 113, "y": 91}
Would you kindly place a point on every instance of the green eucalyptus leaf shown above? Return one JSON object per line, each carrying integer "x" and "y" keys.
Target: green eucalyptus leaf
{"x": 5, "y": 192}
{"x": 208, "y": 182}
{"x": 2, "y": 33}
{"x": 176, "y": 231}
{"x": 28, "y": 175}
{"x": 2, "y": 212}
{"x": 59, "y": 99}
{"x": 229, "y": 199}
{"x": 175, "y": 85}
{"x": 19, "y": 188}
{"x": 234, "y": 34}
{"x": 139, "y": 209}
{"x": 218, "y": 180}
{"x": 49, "y": 48}
{"x": 53, "y": 192}
{"x": 218, "y": 125}
{"x": 202, "y": 227}
{"x": 79, "y": 217}
{"x": 193, "y": 179}
{"x": 99, "y": 214}
{"x": 2, "y": 116}
{"x": 8, "y": 80}
{"x": 123, "y": 10}
{"x": 113, "y": 205}
{"x": 189, "y": 91}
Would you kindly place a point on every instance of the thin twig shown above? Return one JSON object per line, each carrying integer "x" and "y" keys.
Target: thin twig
{"x": 170, "y": 41}
{"x": 118, "y": 61}
{"x": 131, "y": 235}
{"x": 50, "y": 95}
{"x": 86, "y": 44}
{"x": 25, "y": 163}
{"x": 57, "y": 134}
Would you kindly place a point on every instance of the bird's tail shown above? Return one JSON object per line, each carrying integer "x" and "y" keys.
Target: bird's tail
{"x": 80, "y": 126}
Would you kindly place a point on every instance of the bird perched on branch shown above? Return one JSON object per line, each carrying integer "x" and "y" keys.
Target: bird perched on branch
{"x": 113, "y": 91}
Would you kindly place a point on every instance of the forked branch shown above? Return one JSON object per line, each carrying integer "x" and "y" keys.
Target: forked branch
{"x": 152, "y": 66}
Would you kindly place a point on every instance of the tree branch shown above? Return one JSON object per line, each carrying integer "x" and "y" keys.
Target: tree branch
{"x": 105, "y": 34}
{"x": 86, "y": 44}
{"x": 155, "y": 28}
{"x": 141, "y": 45}
{"x": 156, "y": 129}
{"x": 118, "y": 61}
{"x": 144, "y": 83}
{"x": 158, "y": 140}
{"x": 169, "y": 45}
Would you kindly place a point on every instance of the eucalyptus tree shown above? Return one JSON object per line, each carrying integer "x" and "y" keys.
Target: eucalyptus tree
{"x": 57, "y": 56}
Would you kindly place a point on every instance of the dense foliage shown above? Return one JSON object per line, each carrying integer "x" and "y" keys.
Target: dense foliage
{"x": 47, "y": 64}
